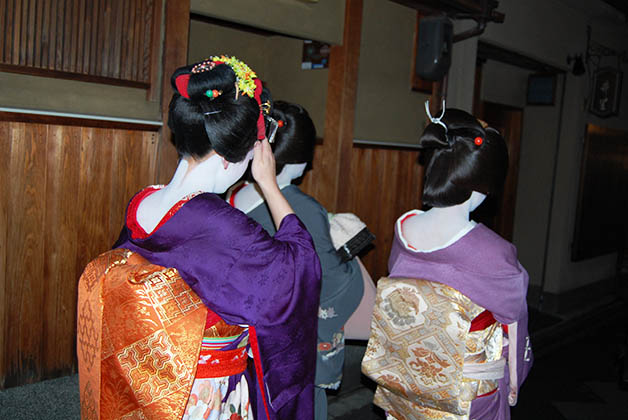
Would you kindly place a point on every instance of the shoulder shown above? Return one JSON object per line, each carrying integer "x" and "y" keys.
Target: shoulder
{"x": 294, "y": 194}
{"x": 310, "y": 211}
{"x": 486, "y": 251}
{"x": 301, "y": 201}
{"x": 218, "y": 217}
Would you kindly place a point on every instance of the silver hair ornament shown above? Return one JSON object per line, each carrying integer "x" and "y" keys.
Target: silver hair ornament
{"x": 435, "y": 120}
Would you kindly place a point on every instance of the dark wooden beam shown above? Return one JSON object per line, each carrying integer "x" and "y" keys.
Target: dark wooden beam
{"x": 175, "y": 55}
{"x": 488, "y": 51}
{"x": 75, "y": 121}
{"x": 454, "y": 7}
{"x": 340, "y": 109}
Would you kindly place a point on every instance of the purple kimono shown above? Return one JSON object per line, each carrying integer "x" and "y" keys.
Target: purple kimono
{"x": 248, "y": 277}
{"x": 484, "y": 267}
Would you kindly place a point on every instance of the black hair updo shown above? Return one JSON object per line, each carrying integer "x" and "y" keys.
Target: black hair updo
{"x": 464, "y": 158}
{"x": 295, "y": 140}
{"x": 201, "y": 124}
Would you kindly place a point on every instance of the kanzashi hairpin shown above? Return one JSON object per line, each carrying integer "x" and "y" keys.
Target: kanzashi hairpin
{"x": 205, "y": 65}
{"x": 271, "y": 129}
{"x": 244, "y": 74}
{"x": 266, "y": 107}
{"x": 213, "y": 93}
{"x": 436, "y": 120}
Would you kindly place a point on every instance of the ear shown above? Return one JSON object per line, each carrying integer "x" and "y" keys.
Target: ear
{"x": 225, "y": 163}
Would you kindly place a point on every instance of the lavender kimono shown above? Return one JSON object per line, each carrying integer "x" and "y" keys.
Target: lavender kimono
{"x": 484, "y": 267}
{"x": 248, "y": 277}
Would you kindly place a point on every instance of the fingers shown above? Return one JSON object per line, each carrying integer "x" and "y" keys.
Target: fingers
{"x": 257, "y": 151}
{"x": 263, "y": 167}
{"x": 263, "y": 153}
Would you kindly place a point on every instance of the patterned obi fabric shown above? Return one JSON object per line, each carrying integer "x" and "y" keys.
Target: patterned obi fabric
{"x": 428, "y": 356}
{"x": 138, "y": 338}
{"x": 223, "y": 350}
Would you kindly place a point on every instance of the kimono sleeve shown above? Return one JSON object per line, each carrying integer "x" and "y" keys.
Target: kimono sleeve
{"x": 272, "y": 278}
{"x": 525, "y": 357}
{"x": 341, "y": 280}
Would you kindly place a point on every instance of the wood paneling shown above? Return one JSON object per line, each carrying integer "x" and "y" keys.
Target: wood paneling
{"x": 101, "y": 40}
{"x": 64, "y": 192}
{"x": 383, "y": 183}
{"x": 177, "y": 27}
{"x": 5, "y": 147}
{"x": 333, "y": 157}
{"x": 376, "y": 183}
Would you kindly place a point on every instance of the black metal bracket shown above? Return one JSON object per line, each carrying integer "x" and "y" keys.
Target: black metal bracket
{"x": 482, "y": 19}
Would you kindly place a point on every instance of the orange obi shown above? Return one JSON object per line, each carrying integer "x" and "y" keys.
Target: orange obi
{"x": 139, "y": 334}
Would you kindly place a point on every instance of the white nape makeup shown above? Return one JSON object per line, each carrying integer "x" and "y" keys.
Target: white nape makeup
{"x": 249, "y": 196}
{"x": 213, "y": 174}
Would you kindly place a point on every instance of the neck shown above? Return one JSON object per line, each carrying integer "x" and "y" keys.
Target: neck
{"x": 251, "y": 196}
{"x": 290, "y": 172}
{"x": 439, "y": 225}
{"x": 195, "y": 175}
{"x": 457, "y": 215}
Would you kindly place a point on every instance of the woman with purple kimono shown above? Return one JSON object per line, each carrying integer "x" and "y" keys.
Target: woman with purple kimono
{"x": 449, "y": 335}
{"x": 261, "y": 291}
{"x": 342, "y": 285}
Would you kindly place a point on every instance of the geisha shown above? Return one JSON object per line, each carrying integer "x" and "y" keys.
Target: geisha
{"x": 462, "y": 350}
{"x": 167, "y": 320}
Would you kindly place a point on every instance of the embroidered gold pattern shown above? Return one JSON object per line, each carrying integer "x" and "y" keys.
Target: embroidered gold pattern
{"x": 419, "y": 344}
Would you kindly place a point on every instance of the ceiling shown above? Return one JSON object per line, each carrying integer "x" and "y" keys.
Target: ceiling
{"x": 454, "y": 7}
{"x": 611, "y": 11}
{"x": 620, "y": 5}
{"x": 608, "y": 11}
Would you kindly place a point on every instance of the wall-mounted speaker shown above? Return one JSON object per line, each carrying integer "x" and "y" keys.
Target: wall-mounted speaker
{"x": 433, "y": 57}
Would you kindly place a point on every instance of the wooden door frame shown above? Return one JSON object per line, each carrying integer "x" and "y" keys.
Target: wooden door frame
{"x": 505, "y": 220}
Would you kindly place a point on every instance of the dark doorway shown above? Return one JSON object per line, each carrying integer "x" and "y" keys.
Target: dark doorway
{"x": 498, "y": 211}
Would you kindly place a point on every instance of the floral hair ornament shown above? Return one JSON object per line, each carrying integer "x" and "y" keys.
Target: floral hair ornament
{"x": 435, "y": 120}
{"x": 247, "y": 83}
{"x": 244, "y": 75}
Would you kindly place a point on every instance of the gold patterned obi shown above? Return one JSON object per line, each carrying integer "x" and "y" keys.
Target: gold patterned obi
{"x": 139, "y": 336}
{"x": 428, "y": 356}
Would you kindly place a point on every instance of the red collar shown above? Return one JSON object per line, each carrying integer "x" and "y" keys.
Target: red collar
{"x": 137, "y": 231}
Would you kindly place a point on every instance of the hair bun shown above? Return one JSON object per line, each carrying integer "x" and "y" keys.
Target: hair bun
{"x": 434, "y": 136}
{"x": 221, "y": 78}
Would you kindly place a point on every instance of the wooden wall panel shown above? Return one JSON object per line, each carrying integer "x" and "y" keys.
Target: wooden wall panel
{"x": 5, "y": 147}
{"x": 99, "y": 40}
{"x": 65, "y": 191}
{"x": 25, "y": 251}
{"x": 383, "y": 184}
{"x": 60, "y": 243}
{"x": 376, "y": 183}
